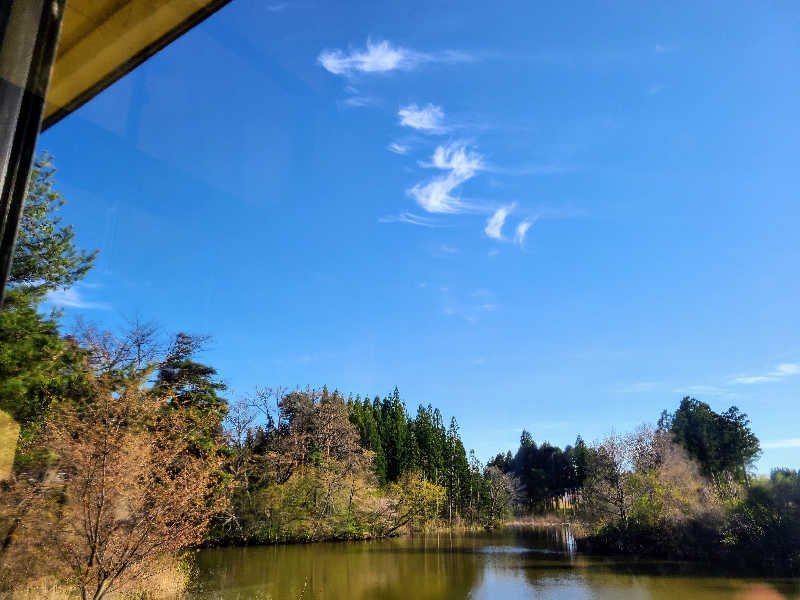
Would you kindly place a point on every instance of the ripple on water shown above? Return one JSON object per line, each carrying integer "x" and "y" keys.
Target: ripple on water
{"x": 515, "y": 550}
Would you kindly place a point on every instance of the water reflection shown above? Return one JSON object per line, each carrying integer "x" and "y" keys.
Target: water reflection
{"x": 541, "y": 564}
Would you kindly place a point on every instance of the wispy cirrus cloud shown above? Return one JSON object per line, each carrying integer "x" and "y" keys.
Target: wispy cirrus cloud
{"x": 72, "y": 298}
{"x": 398, "y": 148}
{"x": 494, "y": 226}
{"x": 461, "y": 164}
{"x": 522, "y": 231}
{"x": 749, "y": 380}
{"x": 382, "y": 57}
{"x": 779, "y": 372}
{"x": 410, "y": 219}
{"x": 428, "y": 119}
{"x": 359, "y": 101}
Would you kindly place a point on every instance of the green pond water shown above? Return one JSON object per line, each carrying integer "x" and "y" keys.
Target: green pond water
{"x": 535, "y": 564}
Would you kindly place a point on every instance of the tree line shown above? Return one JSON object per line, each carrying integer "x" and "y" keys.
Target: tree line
{"x": 314, "y": 464}
{"x": 683, "y": 488}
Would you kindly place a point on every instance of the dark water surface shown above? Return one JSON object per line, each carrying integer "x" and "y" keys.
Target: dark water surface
{"x": 535, "y": 564}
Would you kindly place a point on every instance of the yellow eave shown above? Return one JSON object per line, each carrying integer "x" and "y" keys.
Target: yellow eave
{"x": 102, "y": 40}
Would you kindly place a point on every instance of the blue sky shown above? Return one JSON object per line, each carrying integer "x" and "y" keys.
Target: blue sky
{"x": 558, "y": 216}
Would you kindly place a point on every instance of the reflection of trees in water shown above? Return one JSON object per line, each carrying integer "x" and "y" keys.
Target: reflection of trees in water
{"x": 623, "y": 578}
{"x": 386, "y": 570}
{"x": 515, "y": 564}
{"x": 559, "y": 540}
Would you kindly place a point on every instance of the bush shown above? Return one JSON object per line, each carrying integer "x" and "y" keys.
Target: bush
{"x": 764, "y": 527}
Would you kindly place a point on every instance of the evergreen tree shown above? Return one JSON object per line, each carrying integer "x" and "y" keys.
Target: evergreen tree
{"x": 393, "y": 415}
{"x": 192, "y": 387}
{"x": 45, "y": 255}
{"x": 428, "y": 442}
{"x": 723, "y": 444}
{"x": 411, "y": 453}
{"x": 35, "y": 363}
{"x": 371, "y": 439}
{"x": 457, "y": 471}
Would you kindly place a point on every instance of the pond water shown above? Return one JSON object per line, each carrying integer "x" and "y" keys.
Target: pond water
{"x": 505, "y": 565}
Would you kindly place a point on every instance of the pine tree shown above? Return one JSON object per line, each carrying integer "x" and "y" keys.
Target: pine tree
{"x": 393, "y": 415}
{"x": 45, "y": 255}
{"x": 192, "y": 387}
{"x": 35, "y": 363}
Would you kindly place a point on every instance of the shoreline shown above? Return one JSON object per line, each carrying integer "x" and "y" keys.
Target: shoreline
{"x": 544, "y": 521}
{"x": 586, "y": 544}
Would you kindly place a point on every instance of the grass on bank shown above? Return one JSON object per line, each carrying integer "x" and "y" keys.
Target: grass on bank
{"x": 169, "y": 578}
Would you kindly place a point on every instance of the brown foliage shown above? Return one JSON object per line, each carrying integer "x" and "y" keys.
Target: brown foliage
{"x": 125, "y": 485}
{"x": 645, "y": 476}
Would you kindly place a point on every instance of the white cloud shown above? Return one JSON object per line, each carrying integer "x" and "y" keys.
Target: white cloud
{"x": 458, "y": 158}
{"x": 494, "y": 226}
{"x": 779, "y": 372}
{"x": 382, "y": 57}
{"x": 276, "y": 8}
{"x": 428, "y": 118}
{"x": 359, "y": 101}
{"x": 522, "y": 231}
{"x": 436, "y": 195}
{"x": 787, "y": 443}
{"x": 378, "y": 57}
{"x": 784, "y": 369}
{"x": 493, "y": 252}
{"x": 753, "y": 379}
{"x": 661, "y": 49}
{"x": 410, "y": 218}
{"x": 71, "y": 298}
{"x": 398, "y": 148}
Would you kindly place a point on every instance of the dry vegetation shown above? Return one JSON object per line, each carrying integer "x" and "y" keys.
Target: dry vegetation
{"x": 121, "y": 488}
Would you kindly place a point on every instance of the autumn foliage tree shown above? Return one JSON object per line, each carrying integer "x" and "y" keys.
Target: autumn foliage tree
{"x": 125, "y": 486}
